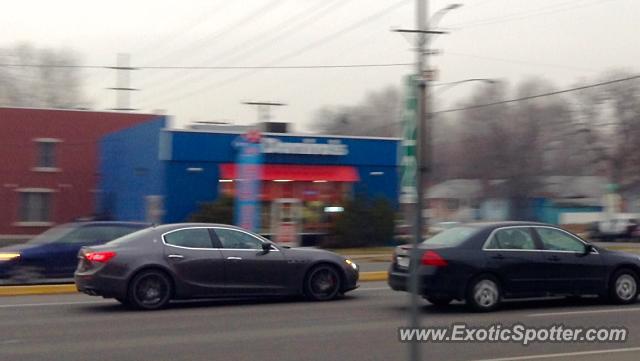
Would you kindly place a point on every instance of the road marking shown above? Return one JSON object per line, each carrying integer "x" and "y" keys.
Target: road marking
{"x": 608, "y": 310}
{"x": 55, "y": 304}
{"x": 566, "y": 354}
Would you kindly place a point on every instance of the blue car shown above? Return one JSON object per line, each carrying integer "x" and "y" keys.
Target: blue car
{"x": 53, "y": 254}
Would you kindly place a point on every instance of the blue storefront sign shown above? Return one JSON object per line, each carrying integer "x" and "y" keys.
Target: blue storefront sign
{"x": 248, "y": 181}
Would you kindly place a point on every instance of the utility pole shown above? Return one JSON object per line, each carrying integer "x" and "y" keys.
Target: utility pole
{"x": 423, "y": 133}
{"x": 123, "y": 83}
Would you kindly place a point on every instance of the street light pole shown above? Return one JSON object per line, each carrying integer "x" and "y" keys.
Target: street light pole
{"x": 421, "y": 62}
{"x": 422, "y": 152}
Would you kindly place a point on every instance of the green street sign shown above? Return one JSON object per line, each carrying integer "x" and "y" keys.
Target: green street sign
{"x": 408, "y": 163}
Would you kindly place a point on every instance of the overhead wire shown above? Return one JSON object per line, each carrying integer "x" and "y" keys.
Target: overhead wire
{"x": 312, "y": 45}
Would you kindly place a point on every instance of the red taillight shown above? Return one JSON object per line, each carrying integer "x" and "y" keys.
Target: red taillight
{"x": 432, "y": 258}
{"x": 101, "y": 257}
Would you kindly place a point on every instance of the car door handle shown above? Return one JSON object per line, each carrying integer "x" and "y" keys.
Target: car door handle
{"x": 175, "y": 256}
{"x": 498, "y": 256}
{"x": 554, "y": 258}
{"x": 234, "y": 258}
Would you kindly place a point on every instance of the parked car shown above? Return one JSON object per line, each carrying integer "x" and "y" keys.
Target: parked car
{"x": 615, "y": 229}
{"x": 148, "y": 268}
{"x": 484, "y": 263}
{"x": 53, "y": 254}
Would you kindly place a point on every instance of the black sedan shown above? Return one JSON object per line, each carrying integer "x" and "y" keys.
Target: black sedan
{"x": 485, "y": 263}
{"x": 148, "y": 268}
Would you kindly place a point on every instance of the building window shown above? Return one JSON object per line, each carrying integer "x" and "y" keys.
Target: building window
{"x": 35, "y": 206}
{"x": 46, "y": 154}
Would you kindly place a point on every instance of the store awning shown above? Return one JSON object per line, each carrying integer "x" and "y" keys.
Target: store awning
{"x": 330, "y": 173}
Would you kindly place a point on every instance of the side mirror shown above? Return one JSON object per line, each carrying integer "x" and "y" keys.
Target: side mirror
{"x": 588, "y": 249}
{"x": 266, "y": 246}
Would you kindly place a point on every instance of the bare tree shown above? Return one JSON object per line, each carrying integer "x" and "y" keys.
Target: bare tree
{"x": 608, "y": 119}
{"x": 378, "y": 115}
{"x": 41, "y": 86}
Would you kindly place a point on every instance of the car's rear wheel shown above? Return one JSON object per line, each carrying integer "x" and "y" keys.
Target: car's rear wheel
{"x": 150, "y": 290}
{"x": 322, "y": 283}
{"x": 439, "y": 301}
{"x": 484, "y": 293}
{"x": 623, "y": 288}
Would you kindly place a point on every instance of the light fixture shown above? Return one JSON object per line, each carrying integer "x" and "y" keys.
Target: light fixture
{"x": 9, "y": 256}
{"x": 282, "y": 180}
{"x": 320, "y": 181}
{"x": 225, "y": 180}
{"x": 333, "y": 209}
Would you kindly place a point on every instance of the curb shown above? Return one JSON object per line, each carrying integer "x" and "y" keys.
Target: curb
{"x": 37, "y": 290}
{"x": 373, "y": 276}
{"x": 71, "y": 288}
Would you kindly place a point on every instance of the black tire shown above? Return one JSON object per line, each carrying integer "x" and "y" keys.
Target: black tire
{"x": 439, "y": 301}
{"x": 484, "y": 293}
{"x": 623, "y": 288}
{"x": 150, "y": 290}
{"x": 322, "y": 283}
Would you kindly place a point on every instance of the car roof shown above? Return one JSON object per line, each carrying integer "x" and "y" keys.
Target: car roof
{"x": 110, "y": 223}
{"x": 172, "y": 226}
{"x": 499, "y": 224}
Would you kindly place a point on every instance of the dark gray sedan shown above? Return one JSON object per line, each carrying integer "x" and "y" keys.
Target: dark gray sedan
{"x": 148, "y": 268}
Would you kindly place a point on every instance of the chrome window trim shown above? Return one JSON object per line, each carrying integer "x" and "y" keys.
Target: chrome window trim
{"x": 484, "y": 245}
{"x": 273, "y": 247}
{"x": 594, "y": 251}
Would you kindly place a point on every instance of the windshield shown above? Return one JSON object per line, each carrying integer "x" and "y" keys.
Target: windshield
{"x": 53, "y": 234}
{"x": 452, "y": 236}
{"x": 131, "y": 236}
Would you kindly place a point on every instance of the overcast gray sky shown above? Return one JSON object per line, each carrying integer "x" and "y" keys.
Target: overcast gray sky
{"x": 562, "y": 40}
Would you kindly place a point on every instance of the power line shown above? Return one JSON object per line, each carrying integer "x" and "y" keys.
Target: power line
{"x": 298, "y": 52}
{"x": 507, "y": 101}
{"x": 187, "y": 67}
{"x": 281, "y": 30}
{"x": 205, "y": 42}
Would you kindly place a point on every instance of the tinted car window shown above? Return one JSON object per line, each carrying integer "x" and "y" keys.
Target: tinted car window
{"x": 92, "y": 234}
{"x": 556, "y": 240}
{"x": 452, "y": 236}
{"x": 232, "y": 239}
{"x": 53, "y": 234}
{"x": 512, "y": 238}
{"x": 191, "y": 238}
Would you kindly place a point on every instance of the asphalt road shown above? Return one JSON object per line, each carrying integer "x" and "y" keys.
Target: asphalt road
{"x": 362, "y": 326}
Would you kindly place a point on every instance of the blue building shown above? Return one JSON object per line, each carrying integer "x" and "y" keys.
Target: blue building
{"x": 163, "y": 175}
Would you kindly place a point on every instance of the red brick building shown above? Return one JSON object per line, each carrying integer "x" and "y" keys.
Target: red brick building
{"x": 49, "y": 165}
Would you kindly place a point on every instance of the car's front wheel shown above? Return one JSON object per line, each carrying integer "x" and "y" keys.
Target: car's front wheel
{"x": 150, "y": 290}
{"x": 484, "y": 293}
{"x": 624, "y": 287}
{"x": 322, "y": 283}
